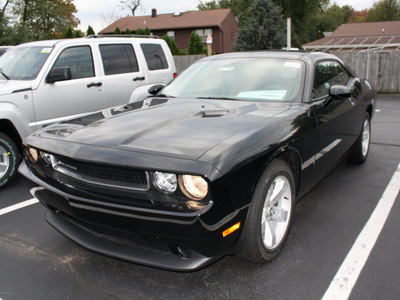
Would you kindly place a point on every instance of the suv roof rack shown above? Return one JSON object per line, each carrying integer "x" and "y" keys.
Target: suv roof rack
{"x": 123, "y": 35}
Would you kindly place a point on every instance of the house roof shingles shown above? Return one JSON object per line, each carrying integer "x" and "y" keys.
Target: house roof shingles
{"x": 191, "y": 19}
{"x": 360, "y": 33}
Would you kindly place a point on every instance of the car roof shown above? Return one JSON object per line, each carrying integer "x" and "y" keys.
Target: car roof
{"x": 297, "y": 55}
{"x": 52, "y": 43}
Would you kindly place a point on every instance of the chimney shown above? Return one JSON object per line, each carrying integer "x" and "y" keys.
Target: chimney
{"x": 154, "y": 13}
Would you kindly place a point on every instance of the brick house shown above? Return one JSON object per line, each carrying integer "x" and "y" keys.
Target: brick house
{"x": 220, "y": 23}
{"x": 372, "y": 36}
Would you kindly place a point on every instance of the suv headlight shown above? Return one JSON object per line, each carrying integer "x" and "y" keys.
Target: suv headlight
{"x": 194, "y": 187}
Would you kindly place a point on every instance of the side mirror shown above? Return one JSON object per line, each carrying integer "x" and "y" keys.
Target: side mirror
{"x": 59, "y": 74}
{"x": 155, "y": 89}
{"x": 339, "y": 92}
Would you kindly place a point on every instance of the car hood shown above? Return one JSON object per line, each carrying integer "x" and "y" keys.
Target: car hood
{"x": 13, "y": 86}
{"x": 185, "y": 128}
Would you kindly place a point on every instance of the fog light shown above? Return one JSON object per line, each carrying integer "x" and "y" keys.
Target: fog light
{"x": 194, "y": 187}
{"x": 165, "y": 182}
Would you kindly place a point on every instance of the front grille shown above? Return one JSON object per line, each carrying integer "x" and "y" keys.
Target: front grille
{"x": 104, "y": 175}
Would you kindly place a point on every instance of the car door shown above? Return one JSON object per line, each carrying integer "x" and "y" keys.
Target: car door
{"x": 122, "y": 73}
{"x": 82, "y": 93}
{"x": 336, "y": 118}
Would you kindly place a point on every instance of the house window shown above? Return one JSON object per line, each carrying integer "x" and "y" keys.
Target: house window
{"x": 171, "y": 35}
{"x": 204, "y": 33}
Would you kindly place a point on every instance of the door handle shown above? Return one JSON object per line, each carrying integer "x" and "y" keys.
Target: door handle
{"x": 139, "y": 78}
{"x": 94, "y": 84}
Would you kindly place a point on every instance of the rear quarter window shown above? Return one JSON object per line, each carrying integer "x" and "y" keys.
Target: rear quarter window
{"x": 118, "y": 59}
{"x": 155, "y": 56}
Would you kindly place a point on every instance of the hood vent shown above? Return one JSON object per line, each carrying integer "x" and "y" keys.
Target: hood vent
{"x": 214, "y": 113}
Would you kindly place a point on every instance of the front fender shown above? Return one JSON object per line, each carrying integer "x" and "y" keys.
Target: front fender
{"x": 19, "y": 119}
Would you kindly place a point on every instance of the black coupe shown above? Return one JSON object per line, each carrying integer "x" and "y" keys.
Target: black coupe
{"x": 209, "y": 166}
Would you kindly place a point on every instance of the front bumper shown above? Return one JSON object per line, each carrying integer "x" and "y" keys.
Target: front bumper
{"x": 165, "y": 241}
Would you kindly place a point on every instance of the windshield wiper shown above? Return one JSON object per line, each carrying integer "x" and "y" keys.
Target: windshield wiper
{"x": 217, "y": 98}
{"x": 4, "y": 74}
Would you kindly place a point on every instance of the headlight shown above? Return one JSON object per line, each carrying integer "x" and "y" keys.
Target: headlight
{"x": 33, "y": 154}
{"x": 194, "y": 187}
{"x": 165, "y": 182}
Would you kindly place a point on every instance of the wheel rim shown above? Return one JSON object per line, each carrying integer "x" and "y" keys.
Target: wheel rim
{"x": 4, "y": 161}
{"x": 276, "y": 213}
{"x": 366, "y": 135}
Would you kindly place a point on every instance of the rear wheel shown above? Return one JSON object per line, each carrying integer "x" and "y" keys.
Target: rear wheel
{"x": 270, "y": 214}
{"x": 359, "y": 153}
{"x": 9, "y": 160}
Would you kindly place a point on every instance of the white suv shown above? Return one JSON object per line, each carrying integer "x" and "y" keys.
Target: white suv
{"x": 47, "y": 81}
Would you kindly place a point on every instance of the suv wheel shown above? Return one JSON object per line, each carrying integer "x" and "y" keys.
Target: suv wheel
{"x": 9, "y": 160}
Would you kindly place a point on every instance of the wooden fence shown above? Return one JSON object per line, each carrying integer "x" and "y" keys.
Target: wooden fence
{"x": 182, "y": 62}
{"x": 380, "y": 68}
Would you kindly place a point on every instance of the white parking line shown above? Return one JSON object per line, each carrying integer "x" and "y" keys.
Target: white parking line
{"x": 18, "y": 206}
{"x": 347, "y": 275}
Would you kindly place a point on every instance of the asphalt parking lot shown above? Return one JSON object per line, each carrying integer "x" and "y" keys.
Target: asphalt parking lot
{"x": 36, "y": 262}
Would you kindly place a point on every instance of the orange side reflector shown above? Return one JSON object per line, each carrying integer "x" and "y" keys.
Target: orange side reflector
{"x": 231, "y": 230}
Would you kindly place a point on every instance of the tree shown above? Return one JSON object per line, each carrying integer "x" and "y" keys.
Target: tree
{"x": 141, "y": 31}
{"x": 385, "y": 10}
{"x": 132, "y": 5}
{"x": 69, "y": 34}
{"x": 45, "y": 19}
{"x": 127, "y": 31}
{"x": 240, "y": 8}
{"x": 302, "y": 14}
{"x": 78, "y": 34}
{"x": 195, "y": 44}
{"x": 264, "y": 30}
{"x": 172, "y": 45}
{"x": 3, "y": 19}
{"x": 359, "y": 16}
{"x": 333, "y": 17}
{"x": 89, "y": 31}
{"x": 117, "y": 30}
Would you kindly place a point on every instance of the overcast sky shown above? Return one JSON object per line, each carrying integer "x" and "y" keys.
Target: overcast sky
{"x": 99, "y": 16}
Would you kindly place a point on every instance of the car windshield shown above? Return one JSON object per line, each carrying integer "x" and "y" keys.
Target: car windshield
{"x": 23, "y": 63}
{"x": 251, "y": 79}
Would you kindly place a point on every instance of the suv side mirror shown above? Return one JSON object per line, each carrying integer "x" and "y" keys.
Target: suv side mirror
{"x": 155, "y": 89}
{"x": 59, "y": 74}
{"x": 339, "y": 92}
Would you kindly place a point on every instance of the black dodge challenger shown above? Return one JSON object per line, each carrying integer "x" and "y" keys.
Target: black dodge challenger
{"x": 211, "y": 165}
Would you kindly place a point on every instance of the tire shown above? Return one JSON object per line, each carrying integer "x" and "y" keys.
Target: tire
{"x": 9, "y": 160}
{"x": 360, "y": 150}
{"x": 268, "y": 223}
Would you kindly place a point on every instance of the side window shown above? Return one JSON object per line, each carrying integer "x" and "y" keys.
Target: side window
{"x": 327, "y": 74}
{"x": 155, "y": 56}
{"x": 118, "y": 59}
{"x": 79, "y": 59}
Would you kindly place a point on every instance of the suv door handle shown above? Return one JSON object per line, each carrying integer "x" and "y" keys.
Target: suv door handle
{"x": 94, "y": 84}
{"x": 139, "y": 78}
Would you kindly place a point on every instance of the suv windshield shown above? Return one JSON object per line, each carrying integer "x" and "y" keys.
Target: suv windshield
{"x": 24, "y": 63}
{"x": 252, "y": 79}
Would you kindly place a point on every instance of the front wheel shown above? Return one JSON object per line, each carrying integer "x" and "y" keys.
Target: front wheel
{"x": 270, "y": 214}
{"x": 9, "y": 160}
{"x": 359, "y": 153}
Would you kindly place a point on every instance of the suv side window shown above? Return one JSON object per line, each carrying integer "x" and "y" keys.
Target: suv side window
{"x": 118, "y": 59}
{"x": 79, "y": 59}
{"x": 327, "y": 74}
{"x": 155, "y": 56}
